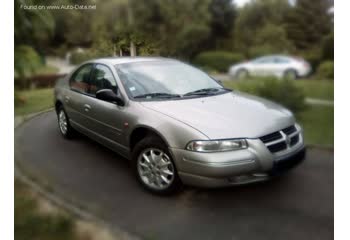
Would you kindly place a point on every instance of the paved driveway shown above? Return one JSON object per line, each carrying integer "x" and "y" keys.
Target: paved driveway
{"x": 296, "y": 206}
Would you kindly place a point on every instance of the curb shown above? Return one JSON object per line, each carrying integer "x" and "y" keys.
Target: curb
{"x": 59, "y": 201}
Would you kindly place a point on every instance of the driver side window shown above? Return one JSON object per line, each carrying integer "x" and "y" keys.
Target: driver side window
{"x": 80, "y": 79}
{"x": 102, "y": 78}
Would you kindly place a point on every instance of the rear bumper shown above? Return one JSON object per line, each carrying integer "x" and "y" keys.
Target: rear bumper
{"x": 250, "y": 165}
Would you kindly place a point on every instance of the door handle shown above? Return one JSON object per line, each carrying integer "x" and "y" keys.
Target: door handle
{"x": 66, "y": 99}
{"x": 87, "y": 107}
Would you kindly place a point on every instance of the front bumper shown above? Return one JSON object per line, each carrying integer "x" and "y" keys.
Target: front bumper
{"x": 218, "y": 169}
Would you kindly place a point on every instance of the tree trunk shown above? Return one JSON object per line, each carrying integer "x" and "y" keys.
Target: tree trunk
{"x": 132, "y": 49}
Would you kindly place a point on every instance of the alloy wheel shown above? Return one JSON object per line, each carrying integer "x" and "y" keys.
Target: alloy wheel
{"x": 62, "y": 121}
{"x": 155, "y": 168}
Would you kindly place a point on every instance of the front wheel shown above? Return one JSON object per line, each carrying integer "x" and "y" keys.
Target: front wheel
{"x": 242, "y": 74}
{"x": 154, "y": 167}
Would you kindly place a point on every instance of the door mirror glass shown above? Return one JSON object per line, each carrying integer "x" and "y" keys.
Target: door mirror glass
{"x": 109, "y": 96}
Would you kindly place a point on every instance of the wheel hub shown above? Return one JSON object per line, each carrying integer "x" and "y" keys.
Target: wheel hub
{"x": 155, "y": 168}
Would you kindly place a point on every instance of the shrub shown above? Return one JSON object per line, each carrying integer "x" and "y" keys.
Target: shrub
{"x": 79, "y": 57}
{"x": 284, "y": 92}
{"x": 217, "y": 60}
{"x": 27, "y": 62}
{"x": 39, "y": 81}
{"x": 313, "y": 56}
{"x": 328, "y": 48}
{"x": 100, "y": 48}
{"x": 325, "y": 70}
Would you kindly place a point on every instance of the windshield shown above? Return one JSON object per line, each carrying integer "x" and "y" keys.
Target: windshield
{"x": 165, "y": 79}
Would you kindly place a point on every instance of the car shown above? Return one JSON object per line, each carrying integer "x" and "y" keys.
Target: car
{"x": 279, "y": 66}
{"x": 176, "y": 124}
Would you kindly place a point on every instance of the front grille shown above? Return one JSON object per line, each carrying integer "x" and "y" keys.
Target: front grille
{"x": 271, "y": 137}
{"x": 277, "y": 147}
{"x": 289, "y": 130}
{"x": 281, "y": 140}
{"x": 294, "y": 140}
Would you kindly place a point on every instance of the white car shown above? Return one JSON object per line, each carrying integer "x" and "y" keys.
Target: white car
{"x": 275, "y": 65}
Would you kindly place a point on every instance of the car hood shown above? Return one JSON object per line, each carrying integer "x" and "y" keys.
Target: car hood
{"x": 229, "y": 115}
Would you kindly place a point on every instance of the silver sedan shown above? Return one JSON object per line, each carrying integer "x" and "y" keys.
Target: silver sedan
{"x": 279, "y": 66}
{"x": 176, "y": 124}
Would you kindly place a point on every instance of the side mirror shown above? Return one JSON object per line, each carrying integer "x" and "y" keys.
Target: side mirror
{"x": 109, "y": 96}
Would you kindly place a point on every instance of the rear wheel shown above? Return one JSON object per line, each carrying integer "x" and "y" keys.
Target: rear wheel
{"x": 154, "y": 166}
{"x": 63, "y": 123}
{"x": 290, "y": 74}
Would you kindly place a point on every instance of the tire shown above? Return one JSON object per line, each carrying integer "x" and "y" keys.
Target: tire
{"x": 290, "y": 74}
{"x": 156, "y": 172}
{"x": 63, "y": 124}
{"x": 241, "y": 74}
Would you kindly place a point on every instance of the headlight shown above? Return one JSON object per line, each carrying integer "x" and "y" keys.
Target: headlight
{"x": 217, "y": 145}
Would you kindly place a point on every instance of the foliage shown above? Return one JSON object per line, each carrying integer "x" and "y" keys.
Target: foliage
{"x": 102, "y": 48}
{"x": 217, "y": 60}
{"x": 284, "y": 92}
{"x": 328, "y": 47}
{"x": 312, "y": 56}
{"x": 180, "y": 29}
{"x": 177, "y": 28}
{"x": 223, "y": 15}
{"x": 256, "y": 16}
{"x": 326, "y": 70}
{"x": 27, "y": 62}
{"x": 32, "y": 27}
{"x": 270, "y": 39}
{"x": 308, "y": 23}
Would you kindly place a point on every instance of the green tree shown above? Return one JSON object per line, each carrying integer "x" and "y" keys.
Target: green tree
{"x": 176, "y": 28}
{"x": 308, "y": 23}
{"x": 223, "y": 13}
{"x": 270, "y": 39}
{"x": 32, "y": 27}
{"x": 256, "y": 23}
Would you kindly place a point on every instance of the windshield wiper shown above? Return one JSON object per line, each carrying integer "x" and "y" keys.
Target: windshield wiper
{"x": 205, "y": 91}
{"x": 158, "y": 95}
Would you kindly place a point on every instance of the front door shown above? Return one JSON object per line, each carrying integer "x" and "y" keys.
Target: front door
{"x": 106, "y": 119}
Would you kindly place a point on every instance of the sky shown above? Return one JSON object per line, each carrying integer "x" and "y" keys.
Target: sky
{"x": 240, "y": 3}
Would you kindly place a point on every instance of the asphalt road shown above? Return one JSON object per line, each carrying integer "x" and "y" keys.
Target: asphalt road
{"x": 298, "y": 205}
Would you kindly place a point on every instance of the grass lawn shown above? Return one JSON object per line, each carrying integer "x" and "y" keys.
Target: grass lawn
{"x": 318, "y": 124}
{"x": 46, "y": 69}
{"x": 34, "y": 101}
{"x": 321, "y": 89}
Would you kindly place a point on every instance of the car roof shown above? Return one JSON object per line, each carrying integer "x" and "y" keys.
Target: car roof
{"x": 121, "y": 60}
{"x": 275, "y": 55}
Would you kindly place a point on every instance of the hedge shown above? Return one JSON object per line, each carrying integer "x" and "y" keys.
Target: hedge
{"x": 217, "y": 60}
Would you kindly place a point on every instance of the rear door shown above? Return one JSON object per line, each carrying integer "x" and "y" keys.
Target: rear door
{"x": 74, "y": 98}
{"x": 263, "y": 66}
{"x": 281, "y": 65}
